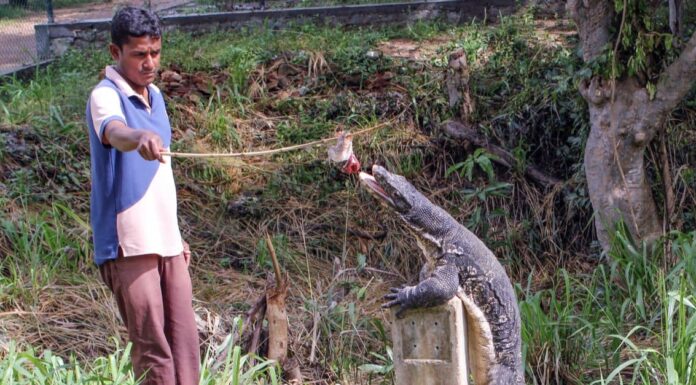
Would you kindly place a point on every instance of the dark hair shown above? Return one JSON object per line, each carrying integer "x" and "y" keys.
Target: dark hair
{"x": 136, "y": 22}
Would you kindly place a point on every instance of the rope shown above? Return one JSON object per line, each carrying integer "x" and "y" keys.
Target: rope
{"x": 267, "y": 152}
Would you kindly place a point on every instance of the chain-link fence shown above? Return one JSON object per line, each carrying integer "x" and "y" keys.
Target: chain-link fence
{"x": 17, "y": 43}
{"x": 18, "y": 17}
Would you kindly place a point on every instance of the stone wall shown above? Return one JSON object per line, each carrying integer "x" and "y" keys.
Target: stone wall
{"x": 55, "y": 39}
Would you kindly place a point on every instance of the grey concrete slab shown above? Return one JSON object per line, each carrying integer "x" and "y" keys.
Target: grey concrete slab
{"x": 430, "y": 346}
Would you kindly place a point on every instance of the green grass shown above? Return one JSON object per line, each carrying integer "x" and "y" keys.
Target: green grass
{"x": 614, "y": 324}
{"x": 44, "y": 247}
{"x": 223, "y": 364}
{"x": 27, "y": 366}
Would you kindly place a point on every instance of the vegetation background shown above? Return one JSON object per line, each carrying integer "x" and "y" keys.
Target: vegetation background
{"x": 627, "y": 316}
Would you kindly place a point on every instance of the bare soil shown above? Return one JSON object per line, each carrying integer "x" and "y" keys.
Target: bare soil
{"x": 411, "y": 49}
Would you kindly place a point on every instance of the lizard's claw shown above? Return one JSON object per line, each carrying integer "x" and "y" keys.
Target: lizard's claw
{"x": 391, "y": 303}
{"x": 392, "y": 300}
{"x": 396, "y": 298}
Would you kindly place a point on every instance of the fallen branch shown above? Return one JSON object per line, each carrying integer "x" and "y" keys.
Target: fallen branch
{"x": 375, "y": 236}
{"x": 457, "y": 130}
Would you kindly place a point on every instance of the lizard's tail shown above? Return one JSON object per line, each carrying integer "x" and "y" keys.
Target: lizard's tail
{"x": 505, "y": 375}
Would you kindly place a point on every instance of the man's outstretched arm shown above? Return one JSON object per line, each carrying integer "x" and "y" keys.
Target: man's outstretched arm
{"x": 123, "y": 138}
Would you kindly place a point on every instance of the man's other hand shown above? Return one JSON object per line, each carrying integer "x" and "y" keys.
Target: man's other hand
{"x": 187, "y": 253}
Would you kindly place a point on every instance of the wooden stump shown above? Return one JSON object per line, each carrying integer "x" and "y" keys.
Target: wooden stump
{"x": 272, "y": 307}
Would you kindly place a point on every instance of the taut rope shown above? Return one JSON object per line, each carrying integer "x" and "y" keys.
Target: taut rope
{"x": 268, "y": 152}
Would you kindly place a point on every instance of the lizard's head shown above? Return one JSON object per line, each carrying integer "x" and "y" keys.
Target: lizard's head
{"x": 428, "y": 222}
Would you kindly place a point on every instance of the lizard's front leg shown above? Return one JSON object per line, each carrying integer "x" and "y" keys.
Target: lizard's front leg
{"x": 439, "y": 288}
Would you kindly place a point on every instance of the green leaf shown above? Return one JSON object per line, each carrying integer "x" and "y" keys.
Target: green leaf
{"x": 453, "y": 168}
{"x": 487, "y": 167}
{"x": 469, "y": 170}
{"x": 620, "y": 368}
{"x": 672, "y": 375}
{"x": 373, "y": 368}
{"x": 362, "y": 261}
{"x": 652, "y": 90}
{"x": 361, "y": 293}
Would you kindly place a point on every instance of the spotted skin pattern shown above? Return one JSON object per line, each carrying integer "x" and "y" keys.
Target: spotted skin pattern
{"x": 460, "y": 264}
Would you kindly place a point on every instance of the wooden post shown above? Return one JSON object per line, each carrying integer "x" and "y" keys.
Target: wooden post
{"x": 49, "y": 12}
{"x": 430, "y": 345}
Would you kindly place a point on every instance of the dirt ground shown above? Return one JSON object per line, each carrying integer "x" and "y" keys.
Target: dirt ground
{"x": 17, "y": 41}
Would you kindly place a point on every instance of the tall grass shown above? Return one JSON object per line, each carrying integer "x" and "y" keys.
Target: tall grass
{"x": 40, "y": 250}
{"x": 20, "y": 367}
{"x": 629, "y": 322}
{"x": 222, "y": 365}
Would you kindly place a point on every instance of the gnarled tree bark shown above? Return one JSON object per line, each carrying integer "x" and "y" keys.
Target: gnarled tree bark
{"x": 623, "y": 122}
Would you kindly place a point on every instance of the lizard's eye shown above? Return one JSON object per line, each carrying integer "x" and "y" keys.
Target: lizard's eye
{"x": 401, "y": 202}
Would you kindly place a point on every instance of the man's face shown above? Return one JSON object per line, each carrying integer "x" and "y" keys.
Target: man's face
{"x": 138, "y": 59}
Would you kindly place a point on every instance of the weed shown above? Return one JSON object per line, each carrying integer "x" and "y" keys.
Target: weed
{"x": 479, "y": 158}
{"x": 28, "y": 367}
{"x": 222, "y": 364}
{"x": 383, "y": 364}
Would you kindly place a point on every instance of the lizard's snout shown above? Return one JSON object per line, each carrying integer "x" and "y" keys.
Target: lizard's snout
{"x": 373, "y": 186}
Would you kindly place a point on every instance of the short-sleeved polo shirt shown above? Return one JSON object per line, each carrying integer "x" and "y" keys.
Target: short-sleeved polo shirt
{"x": 133, "y": 201}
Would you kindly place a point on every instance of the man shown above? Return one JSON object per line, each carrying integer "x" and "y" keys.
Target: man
{"x": 137, "y": 242}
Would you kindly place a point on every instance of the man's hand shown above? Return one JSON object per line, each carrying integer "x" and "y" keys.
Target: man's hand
{"x": 150, "y": 146}
{"x": 123, "y": 138}
{"x": 187, "y": 253}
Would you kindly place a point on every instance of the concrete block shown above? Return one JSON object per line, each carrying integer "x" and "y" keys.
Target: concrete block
{"x": 61, "y": 45}
{"x": 430, "y": 345}
{"x": 58, "y": 31}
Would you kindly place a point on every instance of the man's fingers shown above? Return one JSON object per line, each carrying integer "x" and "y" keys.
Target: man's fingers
{"x": 155, "y": 150}
{"x": 186, "y": 252}
{"x": 145, "y": 150}
{"x": 150, "y": 146}
{"x": 145, "y": 153}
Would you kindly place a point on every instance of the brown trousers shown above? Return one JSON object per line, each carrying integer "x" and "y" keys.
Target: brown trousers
{"x": 154, "y": 298}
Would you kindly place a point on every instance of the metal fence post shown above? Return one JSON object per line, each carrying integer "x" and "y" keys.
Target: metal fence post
{"x": 49, "y": 11}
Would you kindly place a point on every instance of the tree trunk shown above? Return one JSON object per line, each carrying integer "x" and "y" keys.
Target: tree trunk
{"x": 614, "y": 159}
{"x": 623, "y": 122}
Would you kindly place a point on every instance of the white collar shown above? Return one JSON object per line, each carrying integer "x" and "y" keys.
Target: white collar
{"x": 123, "y": 85}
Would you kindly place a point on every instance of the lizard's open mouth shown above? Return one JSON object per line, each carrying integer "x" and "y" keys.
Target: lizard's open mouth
{"x": 373, "y": 186}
